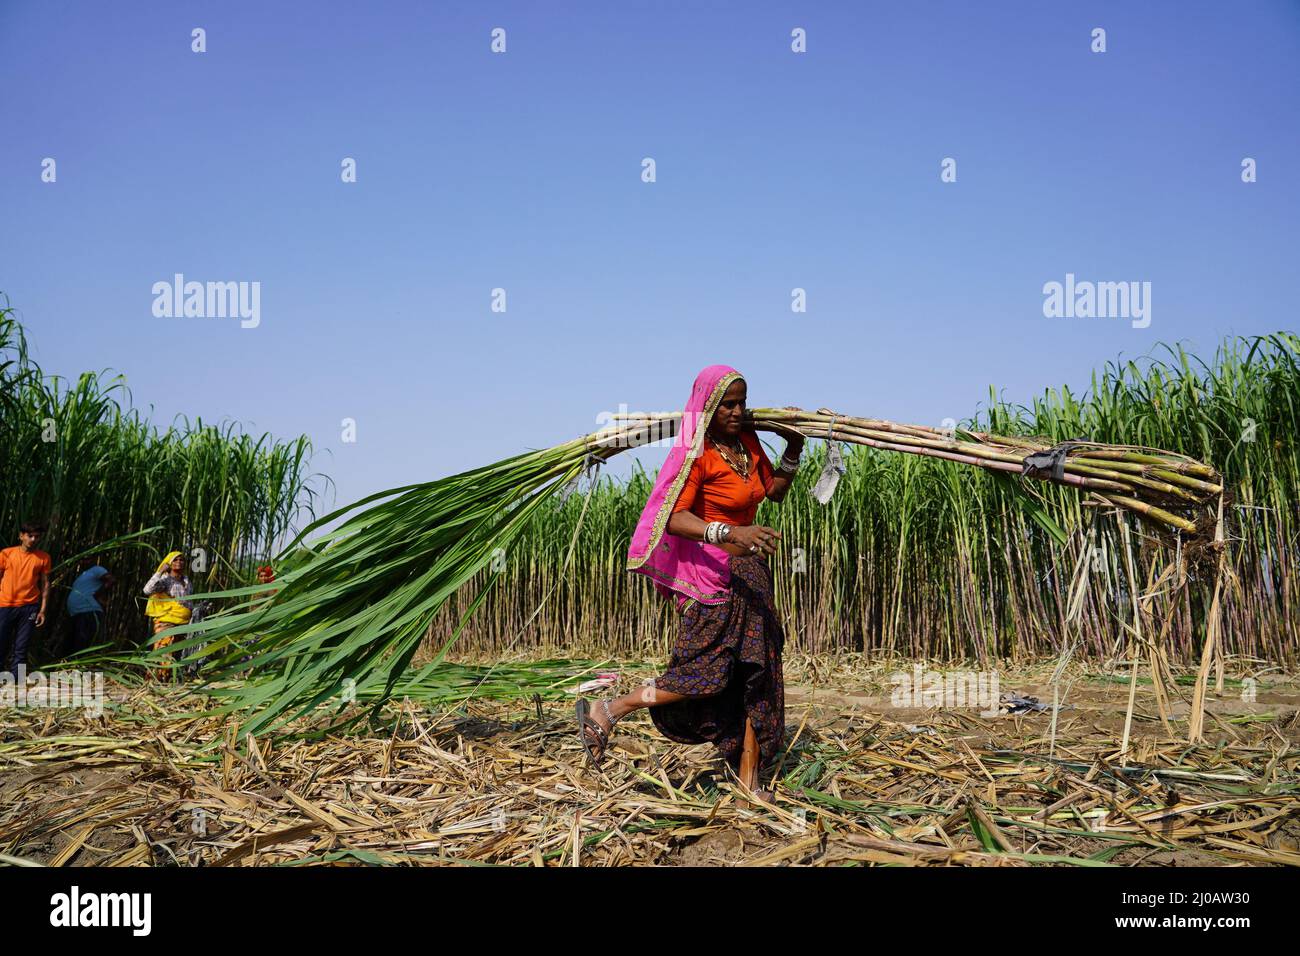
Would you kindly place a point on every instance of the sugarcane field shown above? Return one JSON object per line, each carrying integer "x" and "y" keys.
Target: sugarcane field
{"x": 791, "y": 439}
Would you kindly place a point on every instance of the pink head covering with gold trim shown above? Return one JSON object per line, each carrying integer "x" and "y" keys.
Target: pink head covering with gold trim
{"x": 687, "y": 569}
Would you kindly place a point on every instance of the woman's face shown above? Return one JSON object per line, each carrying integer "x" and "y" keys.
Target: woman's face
{"x": 730, "y": 416}
{"x": 178, "y": 566}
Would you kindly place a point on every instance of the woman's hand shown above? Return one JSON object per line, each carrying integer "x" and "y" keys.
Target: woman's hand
{"x": 755, "y": 538}
{"x": 793, "y": 438}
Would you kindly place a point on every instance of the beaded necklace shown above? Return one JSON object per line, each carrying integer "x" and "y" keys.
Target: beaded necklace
{"x": 738, "y": 460}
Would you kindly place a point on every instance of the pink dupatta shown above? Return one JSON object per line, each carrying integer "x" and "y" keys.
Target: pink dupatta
{"x": 687, "y": 569}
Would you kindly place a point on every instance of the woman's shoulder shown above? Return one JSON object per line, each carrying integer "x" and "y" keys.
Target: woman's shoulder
{"x": 753, "y": 444}
{"x": 707, "y": 460}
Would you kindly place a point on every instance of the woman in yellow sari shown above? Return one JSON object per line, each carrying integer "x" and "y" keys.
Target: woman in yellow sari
{"x": 168, "y": 590}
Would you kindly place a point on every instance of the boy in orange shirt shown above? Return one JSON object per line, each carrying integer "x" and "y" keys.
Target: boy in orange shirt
{"x": 24, "y": 592}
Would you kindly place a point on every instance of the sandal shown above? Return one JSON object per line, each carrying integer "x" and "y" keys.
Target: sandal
{"x": 583, "y": 709}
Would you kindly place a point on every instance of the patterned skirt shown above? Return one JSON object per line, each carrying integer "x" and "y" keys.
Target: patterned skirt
{"x": 727, "y": 660}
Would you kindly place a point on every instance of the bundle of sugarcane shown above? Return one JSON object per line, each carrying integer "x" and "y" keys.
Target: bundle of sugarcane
{"x": 1148, "y": 481}
{"x": 354, "y": 613}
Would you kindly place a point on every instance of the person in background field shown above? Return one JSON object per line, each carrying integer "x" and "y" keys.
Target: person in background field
{"x": 265, "y": 575}
{"x": 86, "y": 608}
{"x": 168, "y": 590}
{"x": 24, "y": 593}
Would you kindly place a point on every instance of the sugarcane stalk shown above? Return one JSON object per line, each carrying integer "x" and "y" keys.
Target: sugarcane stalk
{"x": 1152, "y": 511}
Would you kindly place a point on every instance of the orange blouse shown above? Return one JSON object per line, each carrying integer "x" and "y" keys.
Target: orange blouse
{"x": 714, "y": 492}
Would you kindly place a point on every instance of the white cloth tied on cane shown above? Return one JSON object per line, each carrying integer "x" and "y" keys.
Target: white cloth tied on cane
{"x": 590, "y": 465}
{"x": 829, "y": 479}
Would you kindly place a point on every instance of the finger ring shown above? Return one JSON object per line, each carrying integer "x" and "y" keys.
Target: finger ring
{"x": 753, "y": 547}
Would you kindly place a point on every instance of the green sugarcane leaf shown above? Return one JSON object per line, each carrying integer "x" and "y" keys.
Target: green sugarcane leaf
{"x": 1032, "y": 507}
{"x": 982, "y": 834}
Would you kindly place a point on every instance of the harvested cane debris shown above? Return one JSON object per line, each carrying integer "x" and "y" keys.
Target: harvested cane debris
{"x": 161, "y": 780}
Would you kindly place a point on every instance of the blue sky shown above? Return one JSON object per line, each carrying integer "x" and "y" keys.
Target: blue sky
{"x": 522, "y": 171}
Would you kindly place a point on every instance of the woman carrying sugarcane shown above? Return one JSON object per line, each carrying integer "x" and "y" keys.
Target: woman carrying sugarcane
{"x": 696, "y": 540}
